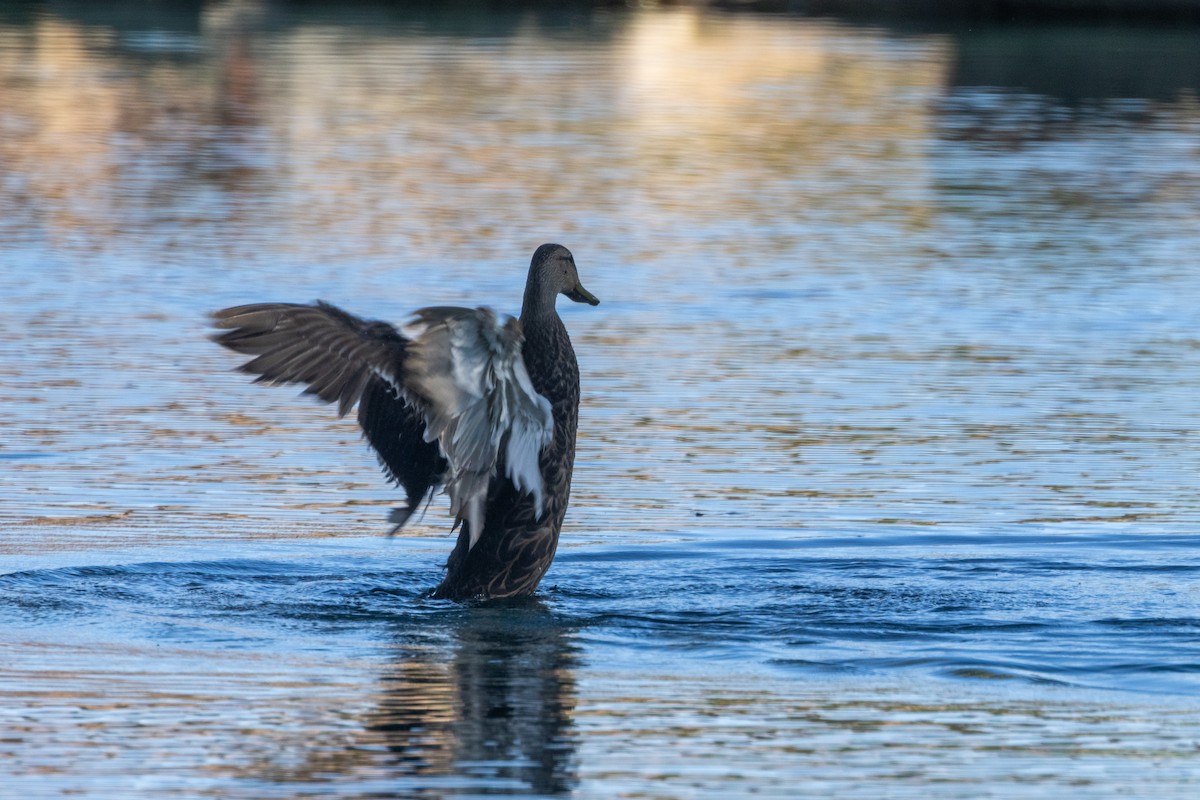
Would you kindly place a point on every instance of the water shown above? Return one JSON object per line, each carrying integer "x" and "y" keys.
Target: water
{"x": 887, "y": 458}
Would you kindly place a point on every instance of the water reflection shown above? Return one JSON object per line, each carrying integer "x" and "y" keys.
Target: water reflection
{"x": 1079, "y": 64}
{"x": 241, "y": 129}
{"x": 379, "y": 129}
{"x": 499, "y": 712}
{"x": 485, "y": 708}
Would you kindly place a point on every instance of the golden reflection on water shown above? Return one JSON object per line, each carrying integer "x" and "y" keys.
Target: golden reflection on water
{"x": 708, "y": 97}
{"x": 258, "y": 145}
{"x": 382, "y": 139}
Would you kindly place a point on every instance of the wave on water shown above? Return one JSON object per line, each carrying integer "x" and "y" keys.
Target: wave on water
{"x": 952, "y": 607}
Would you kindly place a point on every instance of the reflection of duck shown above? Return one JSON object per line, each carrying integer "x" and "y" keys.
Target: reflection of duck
{"x": 500, "y": 710}
{"x": 487, "y": 409}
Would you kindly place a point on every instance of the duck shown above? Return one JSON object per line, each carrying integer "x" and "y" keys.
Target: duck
{"x": 480, "y": 405}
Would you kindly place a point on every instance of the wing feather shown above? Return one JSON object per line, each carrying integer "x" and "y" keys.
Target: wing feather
{"x": 480, "y": 404}
{"x": 462, "y": 384}
{"x": 333, "y": 352}
{"x": 345, "y": 360}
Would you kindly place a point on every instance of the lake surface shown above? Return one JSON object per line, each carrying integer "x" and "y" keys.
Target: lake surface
{"x": 888, "y": 455}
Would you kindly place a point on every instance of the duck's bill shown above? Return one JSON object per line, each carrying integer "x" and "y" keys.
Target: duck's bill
{"x": 582, "y": 295}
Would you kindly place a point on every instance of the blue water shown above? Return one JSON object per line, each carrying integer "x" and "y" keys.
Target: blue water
{"x": 893, "y": 661}
{"x": 887, "y": 453}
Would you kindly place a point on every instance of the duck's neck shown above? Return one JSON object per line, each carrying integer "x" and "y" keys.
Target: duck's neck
{"x": 538, "y": 306}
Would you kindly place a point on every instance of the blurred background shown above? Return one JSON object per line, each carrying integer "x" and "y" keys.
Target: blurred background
{"x": 790, "y": 218}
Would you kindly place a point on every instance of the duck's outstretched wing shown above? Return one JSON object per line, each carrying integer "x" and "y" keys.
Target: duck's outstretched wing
{"x": 480, "y": 405}
{"x": 342, "y": 359}
{"x": 333, "y": 352}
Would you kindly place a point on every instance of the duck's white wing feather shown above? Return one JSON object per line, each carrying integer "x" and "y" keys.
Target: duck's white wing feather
{"x": 479, "y": 401}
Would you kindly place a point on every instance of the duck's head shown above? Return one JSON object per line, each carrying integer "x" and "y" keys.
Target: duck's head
{"x": 552, "y": 272}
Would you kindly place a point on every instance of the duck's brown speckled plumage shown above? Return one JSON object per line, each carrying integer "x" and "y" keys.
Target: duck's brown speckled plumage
{"x": 344, "y": 359}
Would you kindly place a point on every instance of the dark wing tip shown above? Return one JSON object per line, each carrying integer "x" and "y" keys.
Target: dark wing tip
{"x": 331, "y": 351}
{"x": 226, "y": 314}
